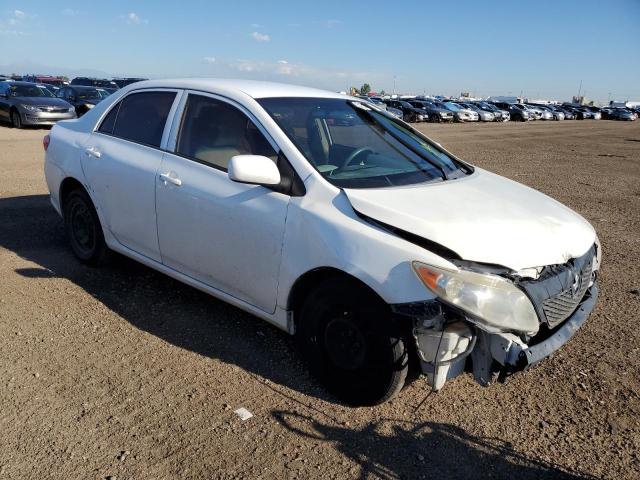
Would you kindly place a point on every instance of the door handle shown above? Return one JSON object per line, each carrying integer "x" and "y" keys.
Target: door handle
{"x": 169, "y": 177}
{"x": 93, "y": 152}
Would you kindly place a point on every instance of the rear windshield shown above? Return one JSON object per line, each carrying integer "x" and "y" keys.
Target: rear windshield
{"x": 355, "y": 145}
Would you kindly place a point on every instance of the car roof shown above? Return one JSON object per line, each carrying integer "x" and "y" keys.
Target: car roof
{"x": 252, "y": 88}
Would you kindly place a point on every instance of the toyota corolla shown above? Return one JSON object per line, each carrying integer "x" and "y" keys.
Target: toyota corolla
{"x": 331, "y": 219}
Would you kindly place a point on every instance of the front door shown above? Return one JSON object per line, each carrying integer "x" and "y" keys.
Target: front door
{"x": 225, "y": 234}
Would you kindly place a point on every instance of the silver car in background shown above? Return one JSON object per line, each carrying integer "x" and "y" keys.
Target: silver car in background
{"x": 460, "y": 113}
{"x": 25, "y": 103}
{"x": 483, "y": 115}
{"x": 539, "y": 112}
{"x": 555, "y": 115}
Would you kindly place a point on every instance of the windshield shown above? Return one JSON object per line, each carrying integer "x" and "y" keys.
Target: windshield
{"x": 356, "y": 146}
{"x": 452, "y": 106}
{"x": 29, "y": 91}
{"x": 89, "y": 94}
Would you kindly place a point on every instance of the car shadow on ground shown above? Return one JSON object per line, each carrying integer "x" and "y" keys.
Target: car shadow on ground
{"x": 153, "y": 302}
{"x": 192, "y": 320}
{"x": 396, "y": 448}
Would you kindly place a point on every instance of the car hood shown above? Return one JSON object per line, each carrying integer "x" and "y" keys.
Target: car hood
{"x": 483, "y": 218}
{"x": 42, "y": 101}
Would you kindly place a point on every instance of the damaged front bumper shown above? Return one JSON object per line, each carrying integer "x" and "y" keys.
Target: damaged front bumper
{"x": 448, "y": 343}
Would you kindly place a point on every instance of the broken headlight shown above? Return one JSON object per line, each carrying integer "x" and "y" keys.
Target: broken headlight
{"x": 494, "y": 302}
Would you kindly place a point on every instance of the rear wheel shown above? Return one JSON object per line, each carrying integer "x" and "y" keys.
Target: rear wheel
{"x": 349, "y": 339}
{"x": 16, "y": 119}
{"x": 84, "y": 230}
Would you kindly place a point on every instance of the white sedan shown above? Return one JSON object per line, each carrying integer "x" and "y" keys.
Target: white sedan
{"x": 332, "y": 220}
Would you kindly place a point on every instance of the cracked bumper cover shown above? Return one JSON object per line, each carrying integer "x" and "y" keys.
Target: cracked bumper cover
{"x": 491, "y": 353}
{"x": 535, "y": 353}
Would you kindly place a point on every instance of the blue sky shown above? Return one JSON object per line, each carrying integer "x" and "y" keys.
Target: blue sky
{"x": 541, "y": 48}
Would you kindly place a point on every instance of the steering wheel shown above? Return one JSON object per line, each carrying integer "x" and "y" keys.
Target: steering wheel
{"x": 355, "y": 154}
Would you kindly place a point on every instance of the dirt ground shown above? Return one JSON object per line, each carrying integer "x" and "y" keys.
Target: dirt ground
{"x": 122, "y": 372}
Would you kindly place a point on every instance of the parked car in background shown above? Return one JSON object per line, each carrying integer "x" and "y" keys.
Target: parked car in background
{"x": 45, "y": 79}
{"x": 549, "y": 113}
{"x": 618, "y": 114}
{"x": 596, "y": 111}
{"x": 541, "y": 113}
{"x": 483, "y": 115}
{"x": 52, "y": 88}
{"x": 109, "y": 85}
{"x": 516, "y": 111}
{"x": 123, "y": 82}
{"x": 436, "y": 113}
{"x": 25, "y": 103}
{"x": 461, "y": 114}
{"x": 500, "y": 114}
{"x": 82, "y": 98}
{"x": 579, "y": 111}
{"x": 365, "y": 239}
{"x": 409, "y": 112}
{"x": 558, "y": 109}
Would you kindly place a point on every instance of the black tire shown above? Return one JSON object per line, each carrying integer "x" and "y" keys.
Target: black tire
{"x": 83, "y": 229}
{"x": 351, "y": 344}
{"x": 16, "y": 120}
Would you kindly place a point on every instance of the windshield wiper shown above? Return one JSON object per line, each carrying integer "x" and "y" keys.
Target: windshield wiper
{"x": 370, "y": 116}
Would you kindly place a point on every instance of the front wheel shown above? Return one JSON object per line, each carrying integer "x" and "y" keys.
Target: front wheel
{"x": 351, "y": 343}
{"x": 84, "y": 230}
{"x": 16, "y": 119}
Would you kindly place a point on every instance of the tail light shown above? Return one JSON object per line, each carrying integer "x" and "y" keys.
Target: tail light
{"x": 45, "y": 141}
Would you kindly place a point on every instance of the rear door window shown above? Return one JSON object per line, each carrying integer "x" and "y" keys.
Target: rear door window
{"x": 142, "y": 117}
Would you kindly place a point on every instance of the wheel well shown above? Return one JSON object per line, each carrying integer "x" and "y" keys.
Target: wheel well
{"x": 68, "y": 185}
{"x": 308, "y": 281}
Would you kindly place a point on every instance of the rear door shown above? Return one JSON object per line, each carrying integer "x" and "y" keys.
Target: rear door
{"x": 120, "y": 162}
{"x": 225, "y": 234}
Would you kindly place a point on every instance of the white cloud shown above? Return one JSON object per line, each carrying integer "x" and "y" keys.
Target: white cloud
{"x": 70, "y": 12}
{"x": 19, "y": 14}
{"x": 256, "y": 25}
{"x": 11, "y": 33}
{"x": 134, "y": 19}
{"x": 285, "y": 68}
{"x": 333, "y": 23}
{"x": 209, "y": 59}
{"x": 260, "y": 37}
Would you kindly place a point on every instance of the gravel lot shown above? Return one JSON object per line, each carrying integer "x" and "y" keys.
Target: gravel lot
{"x": 126, "y": 373}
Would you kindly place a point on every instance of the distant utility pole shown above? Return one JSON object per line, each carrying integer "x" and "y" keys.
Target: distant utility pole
{"x": 580, "y": 89}
{"x": 394, "y": 84}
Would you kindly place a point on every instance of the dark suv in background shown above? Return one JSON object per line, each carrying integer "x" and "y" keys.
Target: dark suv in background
{"x": 108, "y": 85}
{"x": 409, "y": 112}
{"x": 516, "y": 111}
{"x": 123, "y": 82}
{"x": 436, "y": 113}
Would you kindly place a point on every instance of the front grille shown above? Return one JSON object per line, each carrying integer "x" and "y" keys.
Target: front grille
{"x": 559, "y": 289}
{"x": 559, "y": 307}
{"x": 53, "y": 109}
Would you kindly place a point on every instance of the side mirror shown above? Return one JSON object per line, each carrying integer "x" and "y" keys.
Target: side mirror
{"x": 253, "y": 169}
